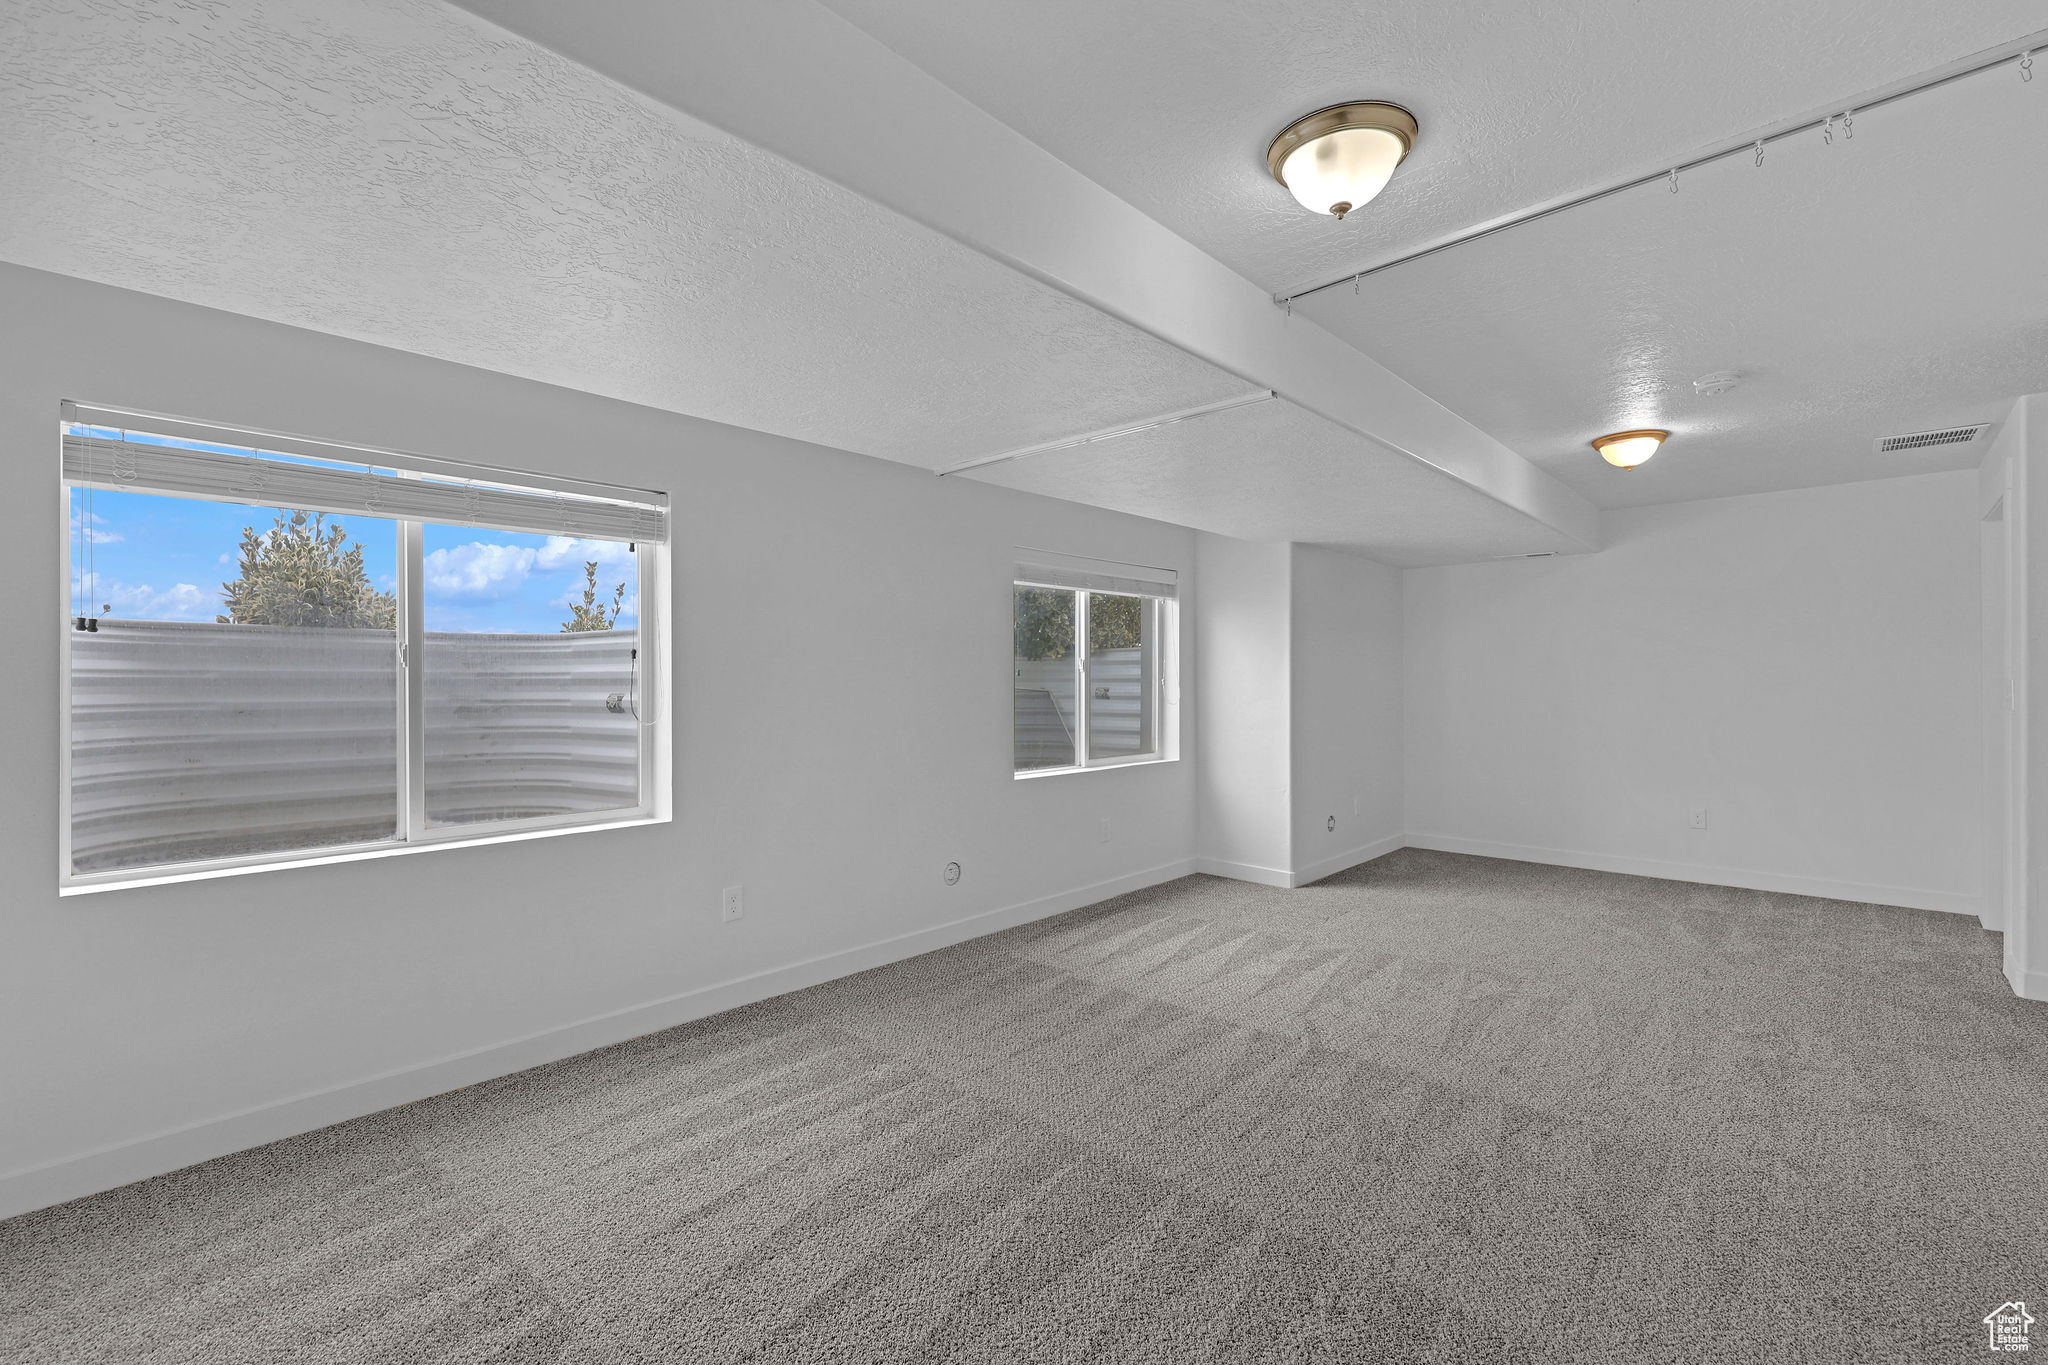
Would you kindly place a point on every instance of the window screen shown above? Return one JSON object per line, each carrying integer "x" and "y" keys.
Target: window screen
{"x": 236, "y": 694}
{"x": 512, "y": 676}
{"x": 1122, "y": 690}
{"x": 1047, "y": 701}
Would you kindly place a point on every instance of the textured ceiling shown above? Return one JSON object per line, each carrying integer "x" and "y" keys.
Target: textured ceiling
{"x": 404, "y": 173}
{"x": 1170, "y": 103}
{"x": 1890, "y": 282}
{"x": 1274, "y": 471}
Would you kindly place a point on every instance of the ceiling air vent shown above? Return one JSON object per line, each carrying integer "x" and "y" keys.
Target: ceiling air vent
{"x": 1952, "y": 436}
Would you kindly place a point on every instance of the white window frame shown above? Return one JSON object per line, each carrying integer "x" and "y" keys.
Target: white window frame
{"x": 413, "y": 834}
{"x": 1162, "y": 617}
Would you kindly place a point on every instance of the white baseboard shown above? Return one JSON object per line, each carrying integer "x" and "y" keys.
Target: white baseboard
{"x": 108, "y": 1167}
{"x": 1338, "y": 862}
{"x": 1245, "y": 872}
{"x": 1912, "y": 898}
{"x": 2025, "y": 984}
{"x": 1313, "y": 872}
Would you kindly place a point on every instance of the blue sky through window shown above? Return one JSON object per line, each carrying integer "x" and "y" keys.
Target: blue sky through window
{"x": 478, "y": 580}
{"x": 164, "y": 559}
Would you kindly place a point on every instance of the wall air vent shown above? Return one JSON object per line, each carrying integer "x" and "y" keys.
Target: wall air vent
{"x": 1952, "y": 436}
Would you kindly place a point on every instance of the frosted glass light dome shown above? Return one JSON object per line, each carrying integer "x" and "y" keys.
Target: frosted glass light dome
{"x": 1627, "y": 449}
{"x": 1337, "y": 159}
{"x": 1340, "y": 172}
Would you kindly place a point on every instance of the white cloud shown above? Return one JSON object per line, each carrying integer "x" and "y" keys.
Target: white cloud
{"x": 140, "y": 601}
{"x": 225, "y": 559}
{"x": 183, "y": 600}
{"x": 95, "y": 536}
{"x": 478, "y": 568}
{"x": 570, "y": 552}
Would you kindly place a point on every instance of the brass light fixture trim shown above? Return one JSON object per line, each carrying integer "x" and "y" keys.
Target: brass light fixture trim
{"x": 1376, "y": 115}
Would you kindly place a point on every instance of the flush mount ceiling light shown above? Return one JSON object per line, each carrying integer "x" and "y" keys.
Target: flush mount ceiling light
{"x": 1336, "y": 159}
{"x": 1627, "y": 449}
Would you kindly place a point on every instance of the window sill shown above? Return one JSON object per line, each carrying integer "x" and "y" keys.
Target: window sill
{"x": 91, "y": 883}
{"x": 1107, "y": 765}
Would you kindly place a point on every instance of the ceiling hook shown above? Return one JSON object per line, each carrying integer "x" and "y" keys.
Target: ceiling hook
{"x": 1674, "y": 179}
{"x": 1354, "y": 283}
{"x": 1827, "y": 131}
{"x": 1759, "y": 151}
{"x": 2026, "y": 66}
{"x": 1849, "y": 123}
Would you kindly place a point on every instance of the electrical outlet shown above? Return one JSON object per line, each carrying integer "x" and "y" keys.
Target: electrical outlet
{"x": 1696, "y": 815}
{"x": 732, "y": 906}
{"x": 1103, "y": 837}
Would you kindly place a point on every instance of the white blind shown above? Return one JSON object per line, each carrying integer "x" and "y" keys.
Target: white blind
{"x": 1056, "y": 570}
{"x": 260, "y": 479}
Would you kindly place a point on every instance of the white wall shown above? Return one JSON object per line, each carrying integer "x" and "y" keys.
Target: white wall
{"x": 1299, "y": 715}
{"x": 1996, "y": 709}
{"x": 1242, "y": 708}
{"x": 1346, "y": 707}
{"x": 151, "y": 1027}
{"x": 2025, "y": 439}
{"x": 1806, "y": 664}
{"x": 1994, "y": 605}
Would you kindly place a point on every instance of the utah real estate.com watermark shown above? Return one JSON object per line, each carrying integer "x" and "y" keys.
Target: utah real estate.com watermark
{"x": 2006, "y": 1326}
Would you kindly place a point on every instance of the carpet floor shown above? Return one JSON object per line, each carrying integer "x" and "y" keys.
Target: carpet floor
{"x": 1437, "y": 1108}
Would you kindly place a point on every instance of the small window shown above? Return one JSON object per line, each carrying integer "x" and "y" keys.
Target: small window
{"x": 279, "y": 651}
{"x": 1092, "y": 670}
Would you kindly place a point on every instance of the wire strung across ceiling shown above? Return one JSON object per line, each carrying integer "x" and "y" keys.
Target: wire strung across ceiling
{"x": 1843, "y": 113}
{"x": 1110, "y": 433}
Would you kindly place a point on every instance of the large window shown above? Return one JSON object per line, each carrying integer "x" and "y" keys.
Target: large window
{"x": 280, "y": 650}
{"x": 1093, "y": 665}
